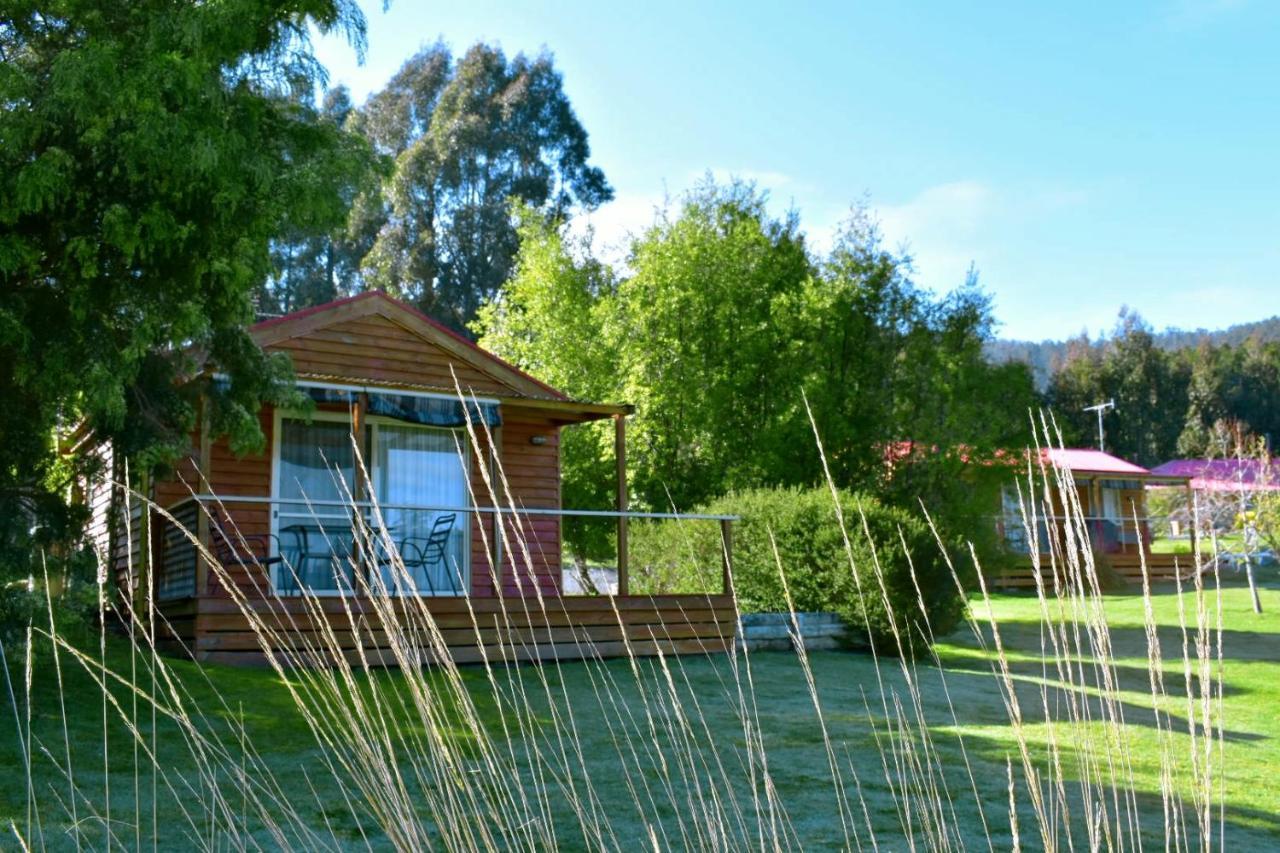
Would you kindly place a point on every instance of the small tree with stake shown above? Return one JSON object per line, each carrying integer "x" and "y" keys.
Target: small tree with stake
{"x": 1250, "y": 507}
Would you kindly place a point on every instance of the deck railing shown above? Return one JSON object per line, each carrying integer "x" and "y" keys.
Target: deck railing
{"x": 1108, "y": 535}
{"x": 177, "y": 559}
{"x": 331, "y": 547}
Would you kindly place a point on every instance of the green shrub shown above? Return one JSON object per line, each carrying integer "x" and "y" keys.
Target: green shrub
{"x": 685, "y": 556}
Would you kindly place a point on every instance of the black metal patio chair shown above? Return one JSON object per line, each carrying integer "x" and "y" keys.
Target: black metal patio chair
{"x": 427, "y": 552}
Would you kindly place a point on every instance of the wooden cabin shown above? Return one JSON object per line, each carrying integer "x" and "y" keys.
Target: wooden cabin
{"x": 1111, "y": 497}
{"x": 465, "y": 487}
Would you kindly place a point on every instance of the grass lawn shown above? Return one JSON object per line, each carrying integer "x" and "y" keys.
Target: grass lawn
{"x": 1228, "y": 543}
{"x": 846, "y": 682}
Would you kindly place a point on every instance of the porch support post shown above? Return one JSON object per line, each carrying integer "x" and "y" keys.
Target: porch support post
{"x": 1095, "y": 526}
{"x": 1191, "y": 519}
{"x": 204, "y": 469}
{"x": 360, "y": 489}
{"x": 360, "y": 432}
{"x": 726, "y": 542}
{"x": 495, "y": 451}
{"x": 620, "y": 456}
{"x": 147, "y": 551}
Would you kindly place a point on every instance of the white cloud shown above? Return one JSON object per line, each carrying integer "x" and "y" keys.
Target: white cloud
{"x": 944, "y": 228}
{"x": 953, "y": 209}
{"x": 613, "y": 224}
{"x": 947, "y": 227}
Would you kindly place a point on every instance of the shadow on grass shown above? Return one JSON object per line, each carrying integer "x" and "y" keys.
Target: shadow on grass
{"x": 1254, "y": 828}
{"x": 1039, "y": 684}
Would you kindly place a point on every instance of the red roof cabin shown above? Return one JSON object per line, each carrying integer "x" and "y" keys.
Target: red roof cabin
{"x": 1111, "y": 497}
{"x": 284, "y": 527}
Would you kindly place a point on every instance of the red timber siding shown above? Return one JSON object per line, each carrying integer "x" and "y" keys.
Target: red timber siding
{"x": 376, "y": 349}
{"x": 529, "y": 478}
{"x": 244, "y": 476}
{"x": 128, "y": 539}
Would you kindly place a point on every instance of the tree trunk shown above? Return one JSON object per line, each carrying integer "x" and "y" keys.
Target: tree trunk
{"x": 1253, "y": 586}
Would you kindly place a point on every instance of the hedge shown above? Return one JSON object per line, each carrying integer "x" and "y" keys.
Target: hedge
{"x": 685, "y": 556}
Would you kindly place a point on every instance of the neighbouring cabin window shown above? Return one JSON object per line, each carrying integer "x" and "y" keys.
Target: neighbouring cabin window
{"x": 1015, "y": 530}
{"x": 419, "y": 478}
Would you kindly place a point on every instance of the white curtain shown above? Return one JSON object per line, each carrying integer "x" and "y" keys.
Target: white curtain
{"x": 316, "y": 460}
{"x": 422, "y": 467}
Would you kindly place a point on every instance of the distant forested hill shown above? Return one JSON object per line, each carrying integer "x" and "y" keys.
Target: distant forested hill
{"x": 1045, "y": 357}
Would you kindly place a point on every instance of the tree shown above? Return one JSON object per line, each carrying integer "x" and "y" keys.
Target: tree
{"x": 1150, "y": 393}
{"x": 149, "y": 154}
{"x": 1239, "y": 383}
{"x": 467, "y": 138}
{"x": 550, "y": 319}
{"x": 702, "y": 355}
{"x": 722, "y": 329}
{"x": 318, "y": 257}
{"x": 1148, "y": 385}
{"x": 1249, "y": 508}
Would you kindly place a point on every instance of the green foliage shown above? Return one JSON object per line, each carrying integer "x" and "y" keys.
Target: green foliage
{"x": 466, "y": 138}
{"x": 722, "y": 327}
{"x": 703, "y": 353}
{"x": 149, "y": 154}
{"x": 317, "y": 257}
{"x": 811, "y": 547}
{"x": 1148, "y": 384}
{"x": 1265, "y": 520}
{"x": 1167, "y": 400}
{"x": 1239, "y": 384}
{"x": 549, "y": 319}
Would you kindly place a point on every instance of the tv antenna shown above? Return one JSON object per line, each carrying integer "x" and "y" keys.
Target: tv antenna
{"x": 1101, "y": 409}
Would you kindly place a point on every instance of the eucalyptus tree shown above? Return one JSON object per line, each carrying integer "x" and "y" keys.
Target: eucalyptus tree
{"x": 317, "y": 259}
{"x": 467, "y": 137}
{"x": 1148, "y": 384}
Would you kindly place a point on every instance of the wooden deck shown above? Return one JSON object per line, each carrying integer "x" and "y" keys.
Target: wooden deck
{"x": 470, "y": 630}
{"x": 1160, "y": 568}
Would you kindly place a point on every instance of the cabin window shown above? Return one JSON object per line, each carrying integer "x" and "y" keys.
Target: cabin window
{"x": 1015, "y": 530}
{"x": 419, "y": 480}
{"x": 315, "y": 479}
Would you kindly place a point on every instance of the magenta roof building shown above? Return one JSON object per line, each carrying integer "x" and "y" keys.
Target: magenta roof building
{"x": 1224, "y": 475}
{"x": 1086, "y": 461}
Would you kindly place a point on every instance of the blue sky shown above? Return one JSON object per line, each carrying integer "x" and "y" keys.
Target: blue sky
{"x": 1083, "y": 157}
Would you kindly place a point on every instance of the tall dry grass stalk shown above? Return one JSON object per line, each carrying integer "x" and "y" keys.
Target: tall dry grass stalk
{"x": 495, "y": 756}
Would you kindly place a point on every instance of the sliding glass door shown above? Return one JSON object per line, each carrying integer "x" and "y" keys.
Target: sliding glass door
{"x": 315, "y": 476}
{"x": 419, "y": 481}
{"x": 420, "y": 478}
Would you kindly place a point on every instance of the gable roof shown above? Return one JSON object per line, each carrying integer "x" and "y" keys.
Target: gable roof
{"x": 1080, "y": 460}
{"x": 300, "y": 324}
{"x": 1083, "y": 460}
{"x": 1223, "y": 475}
